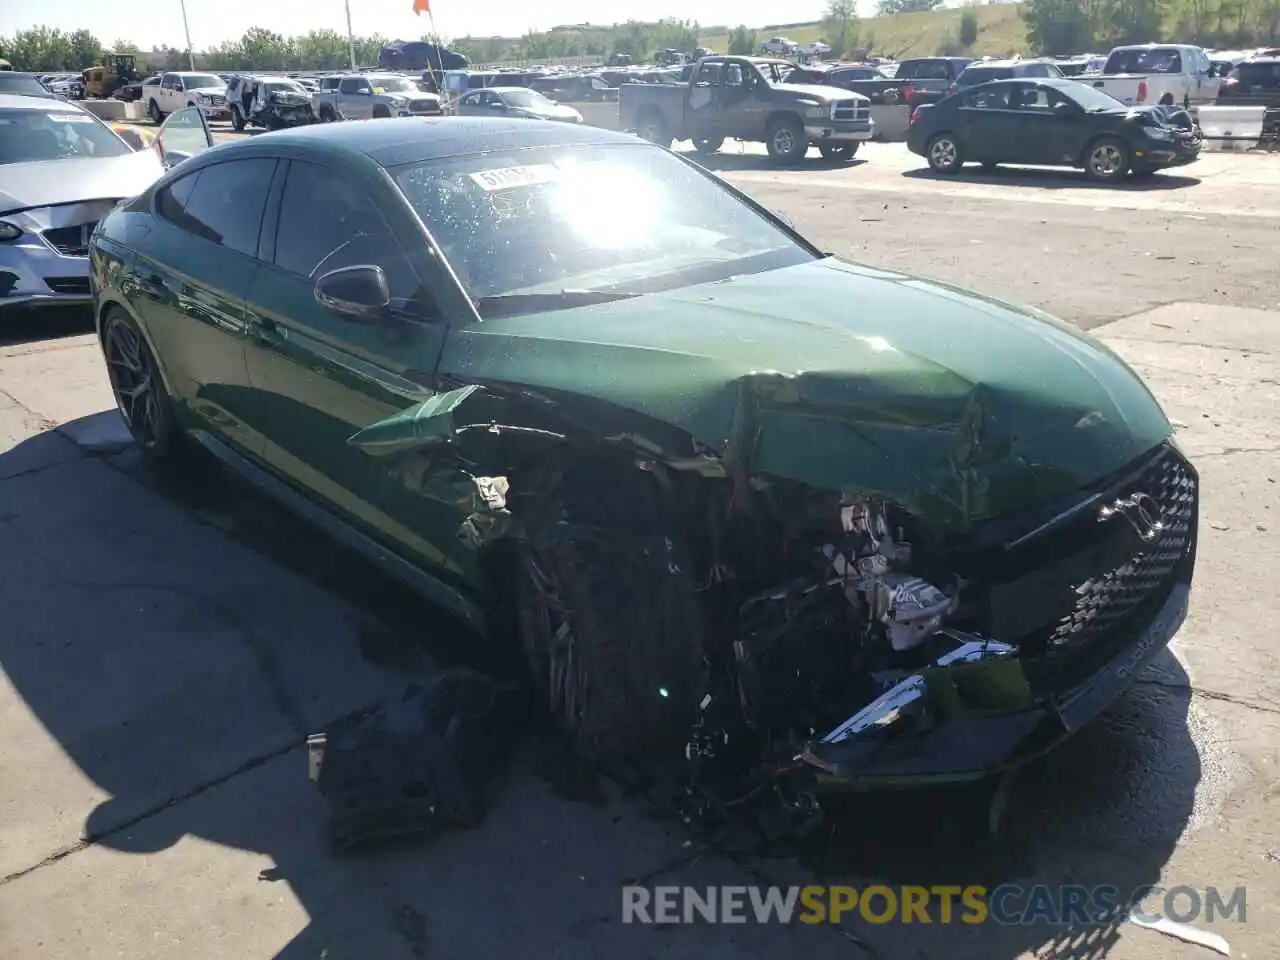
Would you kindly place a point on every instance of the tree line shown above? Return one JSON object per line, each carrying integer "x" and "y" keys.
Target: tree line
{"x": 1053, "y": 27}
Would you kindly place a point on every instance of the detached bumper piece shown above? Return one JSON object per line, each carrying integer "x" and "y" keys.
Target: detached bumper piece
{"x": 422, "y": 764}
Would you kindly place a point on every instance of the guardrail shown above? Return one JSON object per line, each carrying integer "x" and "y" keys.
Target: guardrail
{"x": 1240, "y": 126}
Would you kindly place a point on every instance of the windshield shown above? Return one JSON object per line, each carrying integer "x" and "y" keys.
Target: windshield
{"x": 610, "y": 218}
{"x": 393, "y": 85}
{"x": 1091, "y": 98}
{"x": 21, "y": 83}
{"x": 29, "y": 135}
{"x": 199, "y": 81}
{"x": 526, "y": 98}
{"x": 283, "y": 86}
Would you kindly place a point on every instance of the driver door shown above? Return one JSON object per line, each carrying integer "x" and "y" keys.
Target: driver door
{"x": 355, "y": 98}
{"x": 741, "y": 111}
{"x": 183, "y": 135}
{"x": 703, "y": 114}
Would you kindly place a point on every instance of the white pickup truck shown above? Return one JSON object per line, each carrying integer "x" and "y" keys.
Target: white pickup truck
{"x": 1159, "y": 73}
{"x": 178, "y": 90}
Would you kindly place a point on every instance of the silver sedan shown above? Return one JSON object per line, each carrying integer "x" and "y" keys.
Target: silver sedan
{"x": 515, "y": 102}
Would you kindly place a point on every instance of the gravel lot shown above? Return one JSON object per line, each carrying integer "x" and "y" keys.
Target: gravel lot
{"x": 167, "y": 647}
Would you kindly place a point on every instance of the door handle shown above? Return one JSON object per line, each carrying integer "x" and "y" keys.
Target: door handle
{"x": 267, "y": 332}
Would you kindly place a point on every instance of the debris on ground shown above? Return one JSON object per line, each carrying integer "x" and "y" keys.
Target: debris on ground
{"x": 420, "y": 764}
{"x": 1184, "y": 932}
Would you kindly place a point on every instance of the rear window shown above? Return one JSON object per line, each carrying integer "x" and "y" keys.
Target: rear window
{"x": 1155, "y": 60}
{"x": 1260, "y": 74}
{"x": 924, "y": 70}
{"x": 976, "y": 75}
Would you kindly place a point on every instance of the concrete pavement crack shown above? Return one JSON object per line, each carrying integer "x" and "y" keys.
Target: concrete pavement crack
{"x": 1212, "y": 695}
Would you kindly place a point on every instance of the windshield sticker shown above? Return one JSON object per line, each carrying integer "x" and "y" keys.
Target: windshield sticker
{"x": 70, "y": 117}
{"x": 508, "y": 178}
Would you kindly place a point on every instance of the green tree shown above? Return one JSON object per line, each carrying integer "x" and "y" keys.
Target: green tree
{"x": 968, "y": 30}
{"x": 1057, "y": 26}
{"x": 840, "y": 26}
{"x": 742, "y": 42}
{"x": 888, "y": 8}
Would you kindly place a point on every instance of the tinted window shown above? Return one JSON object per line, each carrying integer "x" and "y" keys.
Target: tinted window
{"x": 326, "y": 223}
{"x": 987, "y": 98}
{"x": 171, "y": 202}
{"x": 976, "y": 75}
{"x": 1035, "y": 99}
{"x": 351, "y": 85}
{"x": 227, "y": 203}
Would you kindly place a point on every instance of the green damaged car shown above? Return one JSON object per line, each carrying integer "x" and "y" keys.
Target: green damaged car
{"x": 760, "y": 513}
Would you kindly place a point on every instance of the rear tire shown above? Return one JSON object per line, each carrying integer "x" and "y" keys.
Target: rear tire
{"x": 609, "y": 618}
{"x": 137, "y": 386}
{"x": 653, "y": 129}
{"x": 787, "y": 142}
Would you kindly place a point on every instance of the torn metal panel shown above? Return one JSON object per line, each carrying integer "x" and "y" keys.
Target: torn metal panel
{"x": 430, "y": 422}
{"x": 890, "y": 393}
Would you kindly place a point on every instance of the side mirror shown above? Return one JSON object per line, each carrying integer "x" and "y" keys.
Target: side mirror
{"x": 359, "y": 291}
{"x": 365, "y": 92}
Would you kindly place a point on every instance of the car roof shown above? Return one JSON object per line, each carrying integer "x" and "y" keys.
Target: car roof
{"x": 22, "y": 101}
{"x": 391, "y": 142}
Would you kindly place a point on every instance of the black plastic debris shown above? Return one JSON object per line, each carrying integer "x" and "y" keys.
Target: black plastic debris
{"x": 424, "y": 763}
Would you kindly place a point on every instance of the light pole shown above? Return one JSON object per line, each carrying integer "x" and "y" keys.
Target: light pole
{"x": 351, "y": 39}
{"x": 186, "y": 29}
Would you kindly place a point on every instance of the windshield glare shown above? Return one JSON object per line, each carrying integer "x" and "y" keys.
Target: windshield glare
{"x": 1091, "y": 98}
{"x": 30, "y": 135}
{"x": 525, "y": 98}
{"x": 624, "y": 218}
{"x": 199, "y": 81}
{"x": 393, "y": 85}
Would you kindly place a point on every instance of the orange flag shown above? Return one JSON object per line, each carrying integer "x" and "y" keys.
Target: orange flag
{"x": 421, "y": 6}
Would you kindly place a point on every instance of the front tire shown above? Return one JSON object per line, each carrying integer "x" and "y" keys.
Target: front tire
{"x": 787, "y": 142}
{"x": 944, "y": 153}
{"x": 237, "y": 120}
{"x": 1107, "y": 160}
{"x": 708, "y": 145}
{"x": 381, "y": 113}
{"x": 153, "y": 111}
{"x": 609, "y": 618}
{"x": 137, "y": 386}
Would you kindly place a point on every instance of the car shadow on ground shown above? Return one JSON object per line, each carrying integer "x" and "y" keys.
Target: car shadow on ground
{"x": 47, "y": 323}
{"x": 1107, "y": 808}
{"x": 729, "y": 160}
{"x": 1041, "y": 178}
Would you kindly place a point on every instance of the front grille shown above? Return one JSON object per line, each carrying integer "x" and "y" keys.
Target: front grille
{"x": 845, "y": 111}
{"x": 72, "y": 285}
{"x": 70, "y": 241}
{"x": 1088, "y": 576}
{"x": 424, "y": 106}
{"x": 217, "y": 101}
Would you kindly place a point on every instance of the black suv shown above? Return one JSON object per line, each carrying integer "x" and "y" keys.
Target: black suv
{"x": 927, "y": 79}
{"x": 1252, "y": 82}
{"x": 985, "y": 71}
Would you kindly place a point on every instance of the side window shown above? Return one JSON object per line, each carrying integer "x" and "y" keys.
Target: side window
{"x": 171, "y": 202}
{"x": 733, "y": 75}
{"x": 326, "y": 223}
{"x": 349, "y": 85}
{"x": 166, "y": 82}
{"x": 226, "y": 205}
{"x": 1036, "y": 100}
{"x": 987, "y": 98}
{"x": 470, "y": 100}
{"x": 938, "y": 71}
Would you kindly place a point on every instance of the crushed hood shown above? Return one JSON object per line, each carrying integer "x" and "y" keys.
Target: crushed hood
{"x": 958, "y": 407}
{"x": 44, "y": 183}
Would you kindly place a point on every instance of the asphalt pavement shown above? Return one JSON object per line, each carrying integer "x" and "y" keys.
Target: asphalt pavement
{"x": 168, "y": 644}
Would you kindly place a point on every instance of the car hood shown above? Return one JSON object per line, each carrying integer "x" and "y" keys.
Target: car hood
{"x": 819, "y": 92}
{"x": 958, "y": 407}
{"x": 44, "y": 183}
{"x": 554, "y": 112}
{"x": 208, "y": 91}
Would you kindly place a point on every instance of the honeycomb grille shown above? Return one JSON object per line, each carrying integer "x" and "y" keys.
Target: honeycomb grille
{"x": 1107, "y": 598}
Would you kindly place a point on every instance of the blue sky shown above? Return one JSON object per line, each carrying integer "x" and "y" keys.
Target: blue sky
{"x": 155, "y": 22}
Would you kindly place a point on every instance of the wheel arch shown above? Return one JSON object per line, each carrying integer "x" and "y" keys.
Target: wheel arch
{"x": 110, "y": 303}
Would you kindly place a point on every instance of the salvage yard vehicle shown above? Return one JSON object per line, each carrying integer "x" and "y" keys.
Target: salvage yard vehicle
{"x": 61, "y": 170}
{"x": 1160, "y": 73}
{"x": 270, "y": 102}
{"x": 780, "y": 521}
{"x": 749, "y": 98}
{"x": 1052, "y": 123}
{"x": 367, "y": 96}
{"x": 178, "y": 90}
{"x": 105, "y": 80}
{"x": 514, "y": 102}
